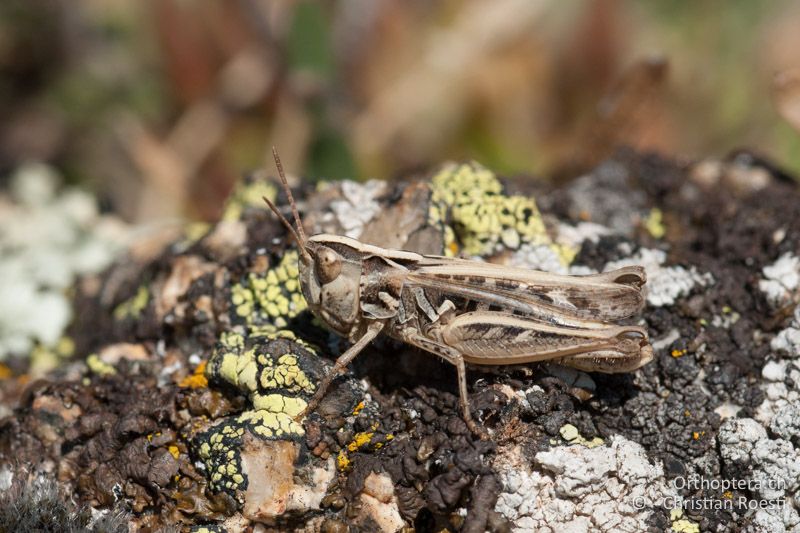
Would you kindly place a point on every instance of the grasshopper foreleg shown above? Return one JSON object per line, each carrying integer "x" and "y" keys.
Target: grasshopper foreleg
{"x": 340, "y": 365}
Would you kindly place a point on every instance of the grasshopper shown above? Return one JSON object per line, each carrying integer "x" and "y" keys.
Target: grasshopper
{"x": 466, "y": 311}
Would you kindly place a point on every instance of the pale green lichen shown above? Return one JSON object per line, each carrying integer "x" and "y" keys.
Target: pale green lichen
{"x": 272, "y": 298}
{"x": 269, "y": 367}
{"x": 571, "y": 434}
{"x": 680, "y": 524}
{"x": 98, "y": 366}
{"x": 248, "y": 194}
{"x": 194, "y": 231}
{"x": 654, "y": 223}
{"x": 219, "y": 450}
{"x": 134, "y": 306}
{"x": 477, "y": 218}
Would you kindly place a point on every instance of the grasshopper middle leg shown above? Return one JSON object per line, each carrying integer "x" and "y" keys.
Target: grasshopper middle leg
{"x": 456, "y": 359}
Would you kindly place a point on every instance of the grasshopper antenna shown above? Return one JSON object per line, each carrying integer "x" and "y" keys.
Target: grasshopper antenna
{"x": 289, "y": 195}
{"x": 298, "y": 234}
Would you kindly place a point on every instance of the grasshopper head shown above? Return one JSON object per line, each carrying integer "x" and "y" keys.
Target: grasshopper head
{"x": 330, "y": 268}
{"x": 330, "y": 280}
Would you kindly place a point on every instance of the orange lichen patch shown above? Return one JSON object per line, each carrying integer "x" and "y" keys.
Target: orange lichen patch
{"x": 361, "y": 439}
{"x": 174, "y": 451}
{"x": 453, "y": 248}
{"x": 697, "y": 434}
{"x": 358, "y": 408}
{"x": 379, "y": 445}
{"x": 197, "y": 380}
{"x": 342, "y": 460}
{"x": 678, "y": 353}
{"x": 5, "y": 372}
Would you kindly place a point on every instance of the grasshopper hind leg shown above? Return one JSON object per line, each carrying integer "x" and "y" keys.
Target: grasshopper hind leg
{"x": 463, "y": 400}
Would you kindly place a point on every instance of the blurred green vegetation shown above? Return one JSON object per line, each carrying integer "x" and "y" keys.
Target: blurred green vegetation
{"x": 172, "y": 101}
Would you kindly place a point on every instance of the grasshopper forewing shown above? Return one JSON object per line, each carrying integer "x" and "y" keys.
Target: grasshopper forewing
{"x": 467, "y": 311}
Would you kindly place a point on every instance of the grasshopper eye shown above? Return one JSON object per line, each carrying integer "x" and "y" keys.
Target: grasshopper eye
{"x": 328, "y": 265}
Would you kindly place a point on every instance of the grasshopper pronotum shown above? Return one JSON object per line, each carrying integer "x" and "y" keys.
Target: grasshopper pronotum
{"x": 466, "y": 311}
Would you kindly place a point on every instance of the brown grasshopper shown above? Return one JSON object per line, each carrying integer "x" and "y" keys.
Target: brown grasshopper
{"x": 466, "y": 311}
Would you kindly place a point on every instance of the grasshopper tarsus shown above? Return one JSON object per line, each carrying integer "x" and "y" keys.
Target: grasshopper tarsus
{"x": 466, "y": 311}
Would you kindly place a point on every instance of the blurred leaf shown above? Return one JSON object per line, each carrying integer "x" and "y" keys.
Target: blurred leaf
{"x": 786, "y": 93}
{"x": 330, "y": 158}
{"x": 787, "y": 149}
{"x": 309, "y": 42}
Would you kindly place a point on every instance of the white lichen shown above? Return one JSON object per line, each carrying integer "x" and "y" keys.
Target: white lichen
{"x": 47, "y": 238}
{"x": 781, "y": 280}
{"x": 781, "y": 375}
{"x": 774, "y": 466}
{"x": 577, "y": 488}
{"x": 788, "y": 340}
{"x": 665, "y": 284}
{"x": 538, "y": 257}
{"x": 358, "y": 205}
{"x": 546, "y": 257}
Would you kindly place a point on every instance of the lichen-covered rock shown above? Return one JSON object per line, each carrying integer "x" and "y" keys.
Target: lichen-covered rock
{"x": 477, "y": 218}
{"x": 578, "y": 488}
{"x": 195, "y": 354}
{"x": 772, "y": 468}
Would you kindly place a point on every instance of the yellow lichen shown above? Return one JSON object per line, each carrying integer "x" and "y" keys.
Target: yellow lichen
{"x": 279, "y": 403}
{"x": 65, "y": 347}
{"x": 271, "y": 377}
{"x": 270, "y": 424}
{"x": 174, "y": 451}
{"x": 43, "y": 359}
{"x": 286, "y": 375}
{"x": 678, "y": 353}
{"x": 220, "y": 456}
